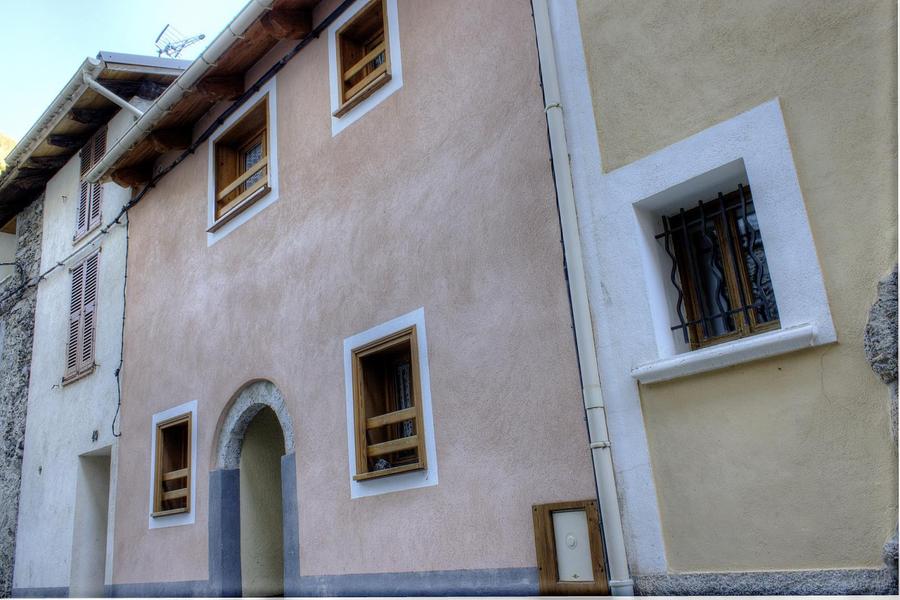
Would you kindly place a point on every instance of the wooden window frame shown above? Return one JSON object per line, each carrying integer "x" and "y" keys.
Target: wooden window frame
{"x": 350, "y": 97}
{"x": 231, "y": 198}
{"x": 77, "y": 319}
{"x": 362, "y": 423}
{"x": 545, "y": 548}
{"x": 89, "y": 212}
{"x": 737, "y": 281}
{"x": 185, "y": 492}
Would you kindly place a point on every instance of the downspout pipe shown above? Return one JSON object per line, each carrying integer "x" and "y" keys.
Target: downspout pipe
{"x": 181, "y": 86}
{"x": 109, "y": 95}
{"x": 620, "y": 581}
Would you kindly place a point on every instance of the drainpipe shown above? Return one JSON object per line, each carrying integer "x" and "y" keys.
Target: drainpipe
{"x": 92, "y": 83}
{"x": 620, "y": 582}
{"x": 185, "y": 82}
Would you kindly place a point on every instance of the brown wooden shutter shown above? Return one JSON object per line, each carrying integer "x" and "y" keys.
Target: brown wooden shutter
{"x": 81, "y": 225}
{"x": 99, "y": 143}
{"x": 86, "y": 357}
{"x": 75, "y": 312}
{"x": 90, "y": 199}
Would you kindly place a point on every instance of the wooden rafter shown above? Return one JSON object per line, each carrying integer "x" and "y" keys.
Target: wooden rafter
{"x": 165, "y": 140}
{"x": 221, "y": 88}
{"x": 133, "y": 176}
{"x": 66, "y": 141}
{"x": 284, "y": 24}
{"x": 91, "y": 116}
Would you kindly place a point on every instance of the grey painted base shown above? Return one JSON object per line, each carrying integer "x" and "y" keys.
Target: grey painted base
{"x": 463, "y": 582}
{"x": 808, "y": 583}
{"x": 41, "y": 592}
{"x": 524, "y": 582}
{"x": 162, "y": 589}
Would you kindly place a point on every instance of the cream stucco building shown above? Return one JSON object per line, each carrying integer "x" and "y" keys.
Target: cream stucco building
{"x": 762, "y": 460}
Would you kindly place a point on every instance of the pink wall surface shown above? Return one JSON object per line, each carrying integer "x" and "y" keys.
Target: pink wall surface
{"x": 440, "y": 197}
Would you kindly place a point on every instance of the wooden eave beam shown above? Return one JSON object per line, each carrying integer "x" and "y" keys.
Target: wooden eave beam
{"x": 66, "y": 141}
{"x": 125, "y": 88}
{"x": 150, "y": 90}
{"x": 46, "y": 162}
{"x": 166, "y": 140}
{"x": 91, "y": 116}
{"x": 283, "y": 24}
{"x": 228, "y": 87}
{"x": 133, "y": 176}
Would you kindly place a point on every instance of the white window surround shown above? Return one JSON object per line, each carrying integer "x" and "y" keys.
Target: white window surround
{"x": 395, "y": 83}
{"x": 272, "y": 140}
{"x": 401, "y": 481}
{"x": 751, "y": 147}
{"x": 185, "y": 518}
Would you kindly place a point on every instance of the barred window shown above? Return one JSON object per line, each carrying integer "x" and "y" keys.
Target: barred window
{"x": 719, "y": 270}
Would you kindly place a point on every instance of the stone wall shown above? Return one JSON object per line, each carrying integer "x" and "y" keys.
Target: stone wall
{"x": 881, "y": 352}
{"x": 17, "y": 330}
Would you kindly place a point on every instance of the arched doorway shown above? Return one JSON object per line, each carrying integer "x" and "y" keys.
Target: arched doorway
{"x": 262, "y": 551}
{"x": 253, "y": 529}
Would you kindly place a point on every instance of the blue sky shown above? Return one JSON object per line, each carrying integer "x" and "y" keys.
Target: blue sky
{"x": 44, "y": 41}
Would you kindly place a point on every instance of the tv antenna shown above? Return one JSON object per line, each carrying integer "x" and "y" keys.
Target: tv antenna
{"x": 171, "y": 42}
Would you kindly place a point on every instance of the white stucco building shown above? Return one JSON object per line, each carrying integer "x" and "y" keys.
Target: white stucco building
{"x": 68, "y": 484}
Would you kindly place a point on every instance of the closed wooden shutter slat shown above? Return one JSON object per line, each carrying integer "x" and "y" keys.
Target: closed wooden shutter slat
{"x": 75, "y": 312}
{"x": 90, "y": 199}
{"x": 96, "y": 200}
{"x": 81, "y": 220}
{"x": 86, "y": 360}
{"x": 99, "y": 146}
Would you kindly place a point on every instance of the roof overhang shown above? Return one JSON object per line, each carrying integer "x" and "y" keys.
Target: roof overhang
{"x": 216, "y": 75}
{"x": 74, "y": 115}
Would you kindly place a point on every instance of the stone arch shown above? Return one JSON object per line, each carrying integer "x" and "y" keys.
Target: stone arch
{"x": 224, "y": 530}
{"x": 241, "y": 409}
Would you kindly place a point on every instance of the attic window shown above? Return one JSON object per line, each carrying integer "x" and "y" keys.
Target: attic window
{"x": 242, "y": 164}
{"x": 363, "y": 56}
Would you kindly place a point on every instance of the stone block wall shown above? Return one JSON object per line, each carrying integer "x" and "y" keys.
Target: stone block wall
{"x": 17, "y": 309}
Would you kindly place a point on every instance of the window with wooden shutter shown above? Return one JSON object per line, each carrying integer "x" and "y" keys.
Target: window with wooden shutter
{"x": 388, "y": 407}
{"x": 91, "y": 194}
{"x": 80, "y": 345}
{"x": 242, "y": 164}
{"x": 363, "y": 57}
{"x": 172, "y": 479}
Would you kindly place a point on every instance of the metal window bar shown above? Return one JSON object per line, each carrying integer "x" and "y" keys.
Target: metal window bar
{"x": 738, "y": 250}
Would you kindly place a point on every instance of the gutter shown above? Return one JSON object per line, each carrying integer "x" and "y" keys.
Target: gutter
{"x": 620, "y": 581}
{"x": 181, "y": 86}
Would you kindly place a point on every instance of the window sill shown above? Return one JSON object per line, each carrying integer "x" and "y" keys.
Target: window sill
{"x": 77, "y": 376}
{"x": 362, "y": 95}
{"x": 77, "y": 238}
{"x": 239, "y": 208}
{"x": 727, "y": 354}
{"x": 166, "y": 513}
{"x": 387, "y": 472}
